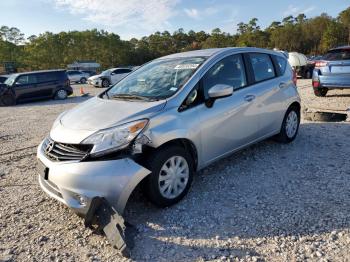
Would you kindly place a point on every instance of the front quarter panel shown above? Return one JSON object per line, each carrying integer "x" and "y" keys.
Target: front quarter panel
{"x": 172, "y": 124}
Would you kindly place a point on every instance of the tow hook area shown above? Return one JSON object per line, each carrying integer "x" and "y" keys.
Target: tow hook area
{"x": 101, "y": 216}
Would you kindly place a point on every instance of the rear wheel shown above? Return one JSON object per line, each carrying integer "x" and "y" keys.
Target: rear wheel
{"x": 105, "y": 83}
{"x": 290, "y": 125}
{"x": 61, "y": 94}
{"x": 320, "y": 92}
{"x": 83, "y": 80}
{"x": 171, "y": 177}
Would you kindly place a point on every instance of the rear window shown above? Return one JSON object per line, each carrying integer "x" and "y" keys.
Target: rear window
{"x": 338, "y": 54}
{"x": 262, "y": 66}
{"x": 281, "y": 63}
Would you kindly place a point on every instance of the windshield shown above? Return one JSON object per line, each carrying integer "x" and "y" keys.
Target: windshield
{"x": 106, "y": 72}
{"x": 158, "y": 79}
{"x": 337, "y": 54}
{"x": 9, "y": 81}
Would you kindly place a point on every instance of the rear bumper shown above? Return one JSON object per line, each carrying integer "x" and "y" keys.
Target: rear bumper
{"x": 75, "y": 184}
{"x": 335, "y": 82}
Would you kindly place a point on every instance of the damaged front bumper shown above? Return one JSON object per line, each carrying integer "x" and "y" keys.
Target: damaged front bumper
{"x": 76, "y": 183}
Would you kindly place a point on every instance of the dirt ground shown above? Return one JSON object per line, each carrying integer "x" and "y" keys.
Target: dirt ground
{"x": 269, "y": 202}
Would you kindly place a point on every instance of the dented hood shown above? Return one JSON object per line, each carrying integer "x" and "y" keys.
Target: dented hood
{"x": 98, "y": 113}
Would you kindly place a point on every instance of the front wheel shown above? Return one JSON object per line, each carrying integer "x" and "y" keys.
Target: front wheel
{"x": 8, "y": 100}
{"x": 290, "y": 125}
{"x": 105, "y": 83}
{"x": 171, "y": 177}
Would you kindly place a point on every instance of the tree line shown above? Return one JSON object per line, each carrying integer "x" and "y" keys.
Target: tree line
{"x": 311, "y": 36}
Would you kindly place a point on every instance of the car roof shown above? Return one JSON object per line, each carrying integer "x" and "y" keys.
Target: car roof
{"x": 215, "y": 51}
{"x": 340, "y": 47}
{"x": 41, "y": 71}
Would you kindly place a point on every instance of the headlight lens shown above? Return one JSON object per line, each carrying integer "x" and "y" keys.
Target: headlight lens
{"x": 115, "y": 138}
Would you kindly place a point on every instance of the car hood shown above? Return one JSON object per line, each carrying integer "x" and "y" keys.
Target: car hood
{"x": 94, "y": 77}
{"x": 95, "y": 114}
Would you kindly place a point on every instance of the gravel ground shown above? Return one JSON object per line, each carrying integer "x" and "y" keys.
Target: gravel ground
{"x": 269, "y": 202}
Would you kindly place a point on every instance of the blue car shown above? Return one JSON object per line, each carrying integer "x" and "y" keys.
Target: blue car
{"x": 332, "y": 72}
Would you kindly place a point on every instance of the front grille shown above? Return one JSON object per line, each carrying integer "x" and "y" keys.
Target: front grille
{"x": 65, "y": 152}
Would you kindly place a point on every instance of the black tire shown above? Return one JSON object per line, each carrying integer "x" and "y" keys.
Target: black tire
{"x": 8, "y": 100}
{"x": 308, "y": 74}
{"x": 61, "y": 94}
{"x": 321, "y": 92}
{"x": 105, "y": 83}
{"x": 154, "y": 163}
{"x": 283, "y": 136}
{"x": 83, "y": 80}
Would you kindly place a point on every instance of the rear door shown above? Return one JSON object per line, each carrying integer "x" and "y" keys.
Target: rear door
{"x": 26, "y": 87}
{"x": 268, "y": 88}
{"x": 47, "y": 83}
{"x": 119, "y": 74}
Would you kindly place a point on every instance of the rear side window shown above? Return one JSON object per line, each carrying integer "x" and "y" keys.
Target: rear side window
{"x": 281, "y": 63}
{"x": 262, "y": 66}
{"x": 338, "y": 54}
{"x": 47, "y": 77}
{"x": 229, "y": 71}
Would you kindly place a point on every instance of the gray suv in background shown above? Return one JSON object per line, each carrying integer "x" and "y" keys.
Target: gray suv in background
{"x": 332, "y": 72}
{"x": 163, "y": 122}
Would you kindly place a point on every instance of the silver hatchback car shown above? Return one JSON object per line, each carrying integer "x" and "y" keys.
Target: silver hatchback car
{"x": 169, "y": 118}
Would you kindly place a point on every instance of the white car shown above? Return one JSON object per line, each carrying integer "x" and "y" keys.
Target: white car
{"x": 109, "y": 77}
{"x": 76, "y": 76}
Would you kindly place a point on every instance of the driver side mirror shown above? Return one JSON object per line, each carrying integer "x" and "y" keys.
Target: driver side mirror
{"x": 219, "y": 91}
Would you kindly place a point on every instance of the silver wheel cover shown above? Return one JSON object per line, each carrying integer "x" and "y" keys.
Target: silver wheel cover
{"x": 292, "y": 122}
{"x": 62, "y": 94}
{"x": 173, "y": 177}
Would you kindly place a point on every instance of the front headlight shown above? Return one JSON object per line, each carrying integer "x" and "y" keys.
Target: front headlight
{"x": 114, "y": 138}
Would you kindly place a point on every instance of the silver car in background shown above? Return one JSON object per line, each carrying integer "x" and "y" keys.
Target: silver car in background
{"x": 109, "y": 77}
{"x": 170, "y": 118}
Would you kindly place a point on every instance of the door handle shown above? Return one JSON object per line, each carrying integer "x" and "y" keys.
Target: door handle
{"x": 282, "y": 85}
{"x": 249, "y": 98}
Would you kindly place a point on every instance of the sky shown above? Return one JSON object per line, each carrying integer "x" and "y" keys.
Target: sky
{"x": 137, "y": 18}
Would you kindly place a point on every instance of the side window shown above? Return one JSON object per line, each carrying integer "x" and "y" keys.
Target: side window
{"x": 124, "y": 71}
{"x": 262, "y": 66}
{"x": 281, "y": 63}
{"x": 26, "y": 79}
{"x": 121, "y": 71}
{"x": 229, "y": 71}
{"x": 47, "y": 77}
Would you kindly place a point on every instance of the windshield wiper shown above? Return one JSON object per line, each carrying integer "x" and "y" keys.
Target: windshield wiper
{"x": 130, "y": 96}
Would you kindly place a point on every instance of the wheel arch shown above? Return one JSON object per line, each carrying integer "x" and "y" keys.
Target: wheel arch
{"x": 185, "y": 143}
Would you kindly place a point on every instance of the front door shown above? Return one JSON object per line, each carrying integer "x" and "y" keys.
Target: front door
{"x": 26, "y": 87}
{"x": 232, "y": 121}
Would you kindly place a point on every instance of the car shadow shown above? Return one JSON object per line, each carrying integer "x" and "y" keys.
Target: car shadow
{"x": 267, "y": 190}
{"x": 338, "y": 95}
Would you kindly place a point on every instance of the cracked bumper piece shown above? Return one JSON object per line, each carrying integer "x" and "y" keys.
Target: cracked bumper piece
{"x": 76, "y": 183}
